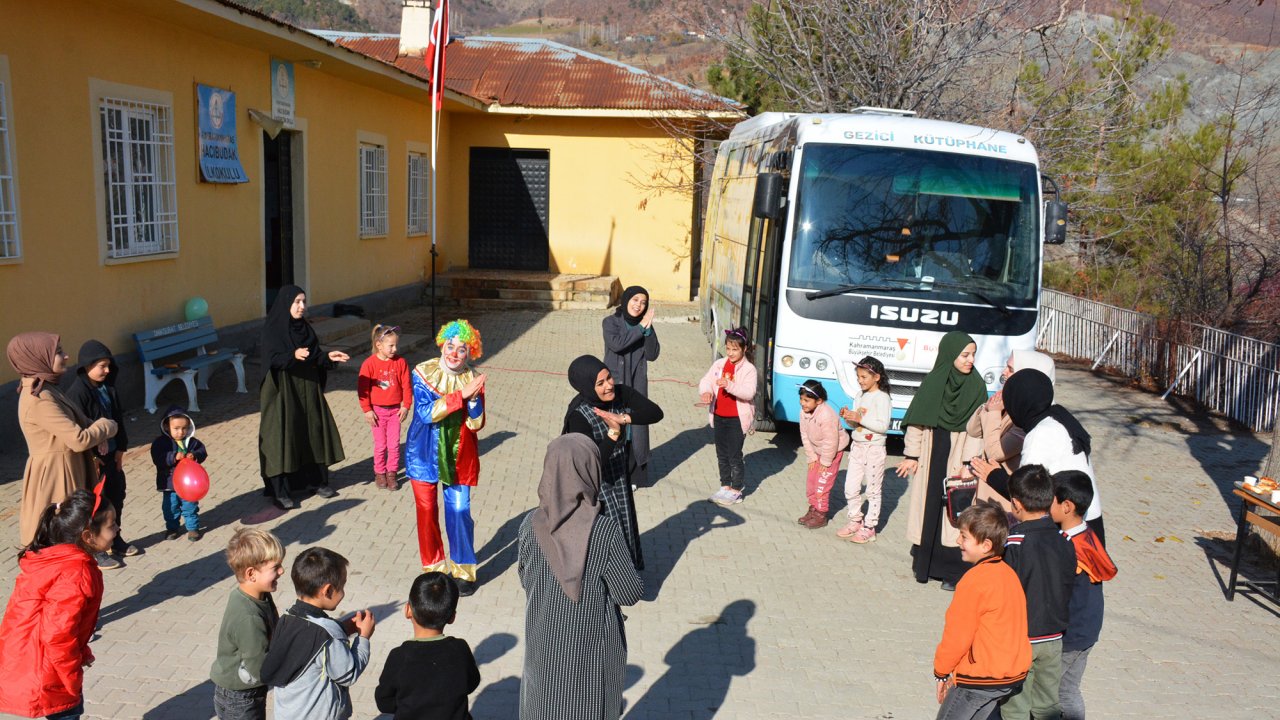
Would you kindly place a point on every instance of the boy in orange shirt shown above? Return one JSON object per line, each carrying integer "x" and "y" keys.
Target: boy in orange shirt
{"x": 984, "y": 654}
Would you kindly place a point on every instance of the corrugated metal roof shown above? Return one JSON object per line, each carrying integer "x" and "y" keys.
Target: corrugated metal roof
{"x": 536, "y": 73}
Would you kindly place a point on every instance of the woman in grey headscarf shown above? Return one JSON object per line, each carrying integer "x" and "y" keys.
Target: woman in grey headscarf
{"x": 576, "y": 572}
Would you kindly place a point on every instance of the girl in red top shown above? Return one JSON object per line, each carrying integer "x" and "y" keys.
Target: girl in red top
{"x": 44, "y": 638}
{"x": 385, "y": 397}
{"x": 729, "y": 394}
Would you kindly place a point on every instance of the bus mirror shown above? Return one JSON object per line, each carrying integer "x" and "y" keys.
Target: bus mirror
{"x": 1055, "y": 222}
{"x": 768, "y": 200}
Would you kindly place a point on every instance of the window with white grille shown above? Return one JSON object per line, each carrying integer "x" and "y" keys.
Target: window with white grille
{"x": 419, "y": 194}
{"x": 373, "y": 190}
{"x": 138, "y": 172}
{"x": 10, "y": 243}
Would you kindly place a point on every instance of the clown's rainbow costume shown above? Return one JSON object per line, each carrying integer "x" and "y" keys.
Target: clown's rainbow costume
{"x": 441, "y": 449}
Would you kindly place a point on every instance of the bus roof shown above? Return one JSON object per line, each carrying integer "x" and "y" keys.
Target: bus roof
{"x": 887, "y": 130}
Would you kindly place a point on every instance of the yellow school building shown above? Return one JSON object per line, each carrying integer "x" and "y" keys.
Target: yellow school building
{"x": 153, "y": 151}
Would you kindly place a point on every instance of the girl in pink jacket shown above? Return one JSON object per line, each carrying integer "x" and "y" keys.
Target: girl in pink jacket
{"x": 824, "y": 445}
{"x": 729, "y": 392}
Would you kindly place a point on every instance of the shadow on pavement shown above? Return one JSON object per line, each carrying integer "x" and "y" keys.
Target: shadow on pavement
{"x": 303, "y": 528}
{"x": 675, "y": 450}
{"x": 700, "y": 668}
{"x": 774, "y": 461}
{"x": 498, "y": 701}
{"x": 500, "y": 552}
{"x": 195, "y": 703}
{"x": 494, "y": 647}
{"x": 668, "y": 541}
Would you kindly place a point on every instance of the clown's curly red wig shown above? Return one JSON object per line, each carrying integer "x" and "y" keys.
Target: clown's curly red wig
{"x": 462, "y": 331}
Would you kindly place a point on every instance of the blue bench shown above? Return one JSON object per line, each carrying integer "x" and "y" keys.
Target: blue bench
{"x": 188, "y": 352}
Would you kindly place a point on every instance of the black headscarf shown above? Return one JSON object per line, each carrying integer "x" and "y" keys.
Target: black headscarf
{"x": 282, "y": 334}
{"x": 583, "y": 372}
{"x": 627, "y": 294}
{"x": 568, "y": 504}
{"x": 1028, "y": 398}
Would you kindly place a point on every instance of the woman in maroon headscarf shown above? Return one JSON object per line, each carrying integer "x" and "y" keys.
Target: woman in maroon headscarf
{"x": 59, "y": 436}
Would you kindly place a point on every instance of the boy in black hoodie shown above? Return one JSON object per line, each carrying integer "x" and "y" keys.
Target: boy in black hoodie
{"x": 94, "y": 393}
{"x": 177, "y": 440}
{"x": 1045, "y": 562}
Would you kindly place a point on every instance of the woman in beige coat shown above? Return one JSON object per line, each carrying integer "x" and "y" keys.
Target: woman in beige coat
{"x": 935, "y": 448}
{"x": 58, "y": 435}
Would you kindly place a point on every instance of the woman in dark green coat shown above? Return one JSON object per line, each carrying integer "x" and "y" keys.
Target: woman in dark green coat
{"x": 297, "y": 437}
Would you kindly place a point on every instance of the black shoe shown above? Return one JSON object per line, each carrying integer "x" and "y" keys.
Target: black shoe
{"x": 326, "y": 492}
{"x": 172, "y": 534}
{"x": 286, "y": 503}
{"x": 466, "y": 588}
{"x": 126, "y": 549}
{"x": 948, "y": 586}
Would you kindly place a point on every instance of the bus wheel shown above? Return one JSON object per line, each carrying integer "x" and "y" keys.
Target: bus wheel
{"x": 765, "y": 424}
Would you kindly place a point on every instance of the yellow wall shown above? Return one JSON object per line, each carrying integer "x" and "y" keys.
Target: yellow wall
{"x": 55, "y": 52}
{"x": 602, "y": 217}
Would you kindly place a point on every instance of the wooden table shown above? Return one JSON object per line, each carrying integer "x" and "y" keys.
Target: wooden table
{"x": 1251, "y": 501}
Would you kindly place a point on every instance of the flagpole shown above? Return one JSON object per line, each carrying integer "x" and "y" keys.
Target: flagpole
{"x": 437, "y": 48}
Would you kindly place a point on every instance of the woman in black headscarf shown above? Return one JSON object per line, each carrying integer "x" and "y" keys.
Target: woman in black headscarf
{"x": 1054, "y": 438}
{"x": 600, "y": 411}
{"x": 297, "y": 437}
{"x": 630, "y": 344}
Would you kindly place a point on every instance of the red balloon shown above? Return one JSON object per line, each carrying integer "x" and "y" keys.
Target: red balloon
{"x": 190, "y": 480}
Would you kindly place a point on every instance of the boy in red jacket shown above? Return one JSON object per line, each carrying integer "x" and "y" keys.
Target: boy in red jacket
{"x": 984, "y": 654}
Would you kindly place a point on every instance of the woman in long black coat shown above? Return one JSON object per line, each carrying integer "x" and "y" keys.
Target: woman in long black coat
{"x": 606, "y": 412}
{"x": 630, "y": 344}
{"x": 297, "y": 437}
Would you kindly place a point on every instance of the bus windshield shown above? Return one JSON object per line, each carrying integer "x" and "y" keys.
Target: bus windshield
{"x": 959, "y": 227}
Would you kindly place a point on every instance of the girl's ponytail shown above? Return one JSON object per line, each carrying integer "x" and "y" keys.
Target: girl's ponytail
{"x": 63, "y": 522}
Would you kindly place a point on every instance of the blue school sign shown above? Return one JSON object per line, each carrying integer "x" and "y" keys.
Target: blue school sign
{"x": 219, "y": 156}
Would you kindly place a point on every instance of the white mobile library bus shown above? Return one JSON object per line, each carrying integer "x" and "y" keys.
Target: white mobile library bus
{"x": 832, "y": 237}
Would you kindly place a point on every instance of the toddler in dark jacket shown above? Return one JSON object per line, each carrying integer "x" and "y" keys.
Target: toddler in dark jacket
{"x": 177, "y": 441}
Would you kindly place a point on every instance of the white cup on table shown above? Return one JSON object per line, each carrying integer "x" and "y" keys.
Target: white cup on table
{"x": 1275, "y": 497}
{"x": 1250, "y": 480}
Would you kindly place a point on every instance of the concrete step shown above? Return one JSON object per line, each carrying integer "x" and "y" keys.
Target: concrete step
{"x": 329, "y": 329}
{"x": 499, "y": 304}
{"x": 463, "y": 282}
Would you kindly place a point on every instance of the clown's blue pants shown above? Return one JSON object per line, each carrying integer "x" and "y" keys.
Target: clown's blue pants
{"x": 458, "y": 524}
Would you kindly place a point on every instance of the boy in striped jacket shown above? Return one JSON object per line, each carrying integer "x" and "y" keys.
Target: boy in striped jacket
{"x": 984, "y": 654}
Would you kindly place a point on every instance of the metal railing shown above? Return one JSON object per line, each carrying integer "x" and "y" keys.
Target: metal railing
{"x": 1235, "y": 375}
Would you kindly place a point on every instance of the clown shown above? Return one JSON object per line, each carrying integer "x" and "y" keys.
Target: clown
{"x": 448, "y": 410}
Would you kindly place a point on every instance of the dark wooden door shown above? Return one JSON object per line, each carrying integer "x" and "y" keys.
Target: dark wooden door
{"x": 509, "y": 201}
{"x": 277, "y": 190}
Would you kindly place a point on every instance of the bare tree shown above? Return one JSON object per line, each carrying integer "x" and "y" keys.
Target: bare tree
{"x": 940, "y": 58}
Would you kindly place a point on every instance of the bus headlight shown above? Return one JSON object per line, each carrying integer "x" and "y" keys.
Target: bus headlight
{"x": 787, "y": 360}
{"x": 804, "y": 363}
{"x": 821, "y": 364}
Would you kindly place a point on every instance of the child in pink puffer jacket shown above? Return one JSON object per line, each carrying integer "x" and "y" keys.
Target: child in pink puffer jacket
{"x": 824, "y": 445}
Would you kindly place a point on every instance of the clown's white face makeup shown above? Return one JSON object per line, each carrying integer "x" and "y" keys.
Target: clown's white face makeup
{"x": 454, "y": 354}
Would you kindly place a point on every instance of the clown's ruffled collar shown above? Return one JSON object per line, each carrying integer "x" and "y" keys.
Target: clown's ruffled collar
{"x": 441, "y": 378}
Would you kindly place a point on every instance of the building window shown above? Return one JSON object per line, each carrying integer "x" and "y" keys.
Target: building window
{"x": 10, "y": 243}
{"x": 138, "y": 172}
{"x": 419, "y": 194}
{"x": 373, "y": 190}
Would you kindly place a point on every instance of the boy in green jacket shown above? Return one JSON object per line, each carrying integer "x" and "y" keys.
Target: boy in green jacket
{"x": 257, "y": 559}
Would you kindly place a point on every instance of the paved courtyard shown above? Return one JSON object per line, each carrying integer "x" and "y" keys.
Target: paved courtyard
{"x": 748, "y": 615}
